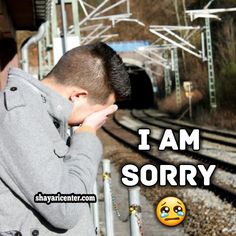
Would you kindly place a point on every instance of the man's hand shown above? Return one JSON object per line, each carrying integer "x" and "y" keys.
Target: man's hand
{"x": 97, "y": 119}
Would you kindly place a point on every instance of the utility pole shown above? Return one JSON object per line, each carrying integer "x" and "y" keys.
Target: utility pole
{"x": 177, "y": 77}
{"x": 210, "y": 65}
{"x": 75, "y": 11}
{"x": 167, "y": 76}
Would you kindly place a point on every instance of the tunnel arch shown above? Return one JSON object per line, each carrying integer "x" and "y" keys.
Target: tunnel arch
{"x": 142, "y": 93}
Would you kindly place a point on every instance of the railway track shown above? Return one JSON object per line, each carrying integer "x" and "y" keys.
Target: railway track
{"x": 124, "y": 126}
{"x": 210, "y": 153}
{"x": 214, "y": 149}
{"x": 218, "y": 136}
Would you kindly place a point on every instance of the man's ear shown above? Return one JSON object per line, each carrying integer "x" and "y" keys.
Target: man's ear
{"x": 79, "y": 93}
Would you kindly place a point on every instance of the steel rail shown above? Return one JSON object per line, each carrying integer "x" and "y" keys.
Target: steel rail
{"x": 131, "y": 140}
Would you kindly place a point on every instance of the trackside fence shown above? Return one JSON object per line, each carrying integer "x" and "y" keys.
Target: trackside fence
{"x": 111, "y": 206}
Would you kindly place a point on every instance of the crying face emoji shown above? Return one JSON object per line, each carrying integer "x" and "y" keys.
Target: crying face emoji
{"x": 170, "y": 211}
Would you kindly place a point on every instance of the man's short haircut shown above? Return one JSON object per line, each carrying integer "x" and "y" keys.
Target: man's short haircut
{"x": 96, "y": 68}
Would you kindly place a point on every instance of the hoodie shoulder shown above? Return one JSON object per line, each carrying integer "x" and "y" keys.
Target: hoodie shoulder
{"x": 13, "y": 98}
{"x": 19, "y": 93}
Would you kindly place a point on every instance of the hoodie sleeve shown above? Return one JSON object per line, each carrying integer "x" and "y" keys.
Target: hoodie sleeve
{"x": 29, "y": 164}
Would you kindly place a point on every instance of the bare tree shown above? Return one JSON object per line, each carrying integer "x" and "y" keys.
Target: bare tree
{"x": 226, "y": 38}
{"x": 185, "y": 15}
{"x": 175, "y": 2}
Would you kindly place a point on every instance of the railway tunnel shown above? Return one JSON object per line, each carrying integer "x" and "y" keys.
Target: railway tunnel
{"x": 142, "y": 94}
{"x": 143, "y": 86}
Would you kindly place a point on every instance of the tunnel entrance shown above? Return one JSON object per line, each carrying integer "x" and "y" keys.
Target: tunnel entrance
{"x": 142, "y": 96}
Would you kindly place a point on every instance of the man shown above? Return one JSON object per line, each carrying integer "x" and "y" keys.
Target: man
{"x": 34, "y": 158}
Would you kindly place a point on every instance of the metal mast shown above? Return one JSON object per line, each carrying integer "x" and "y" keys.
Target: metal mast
{"x": 167, "y": 76}
{"x": 210, "y": 64}
{"x": 177, "y": 77}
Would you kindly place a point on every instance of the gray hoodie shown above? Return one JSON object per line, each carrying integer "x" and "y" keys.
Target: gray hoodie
{"x": 34, "y": 158}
